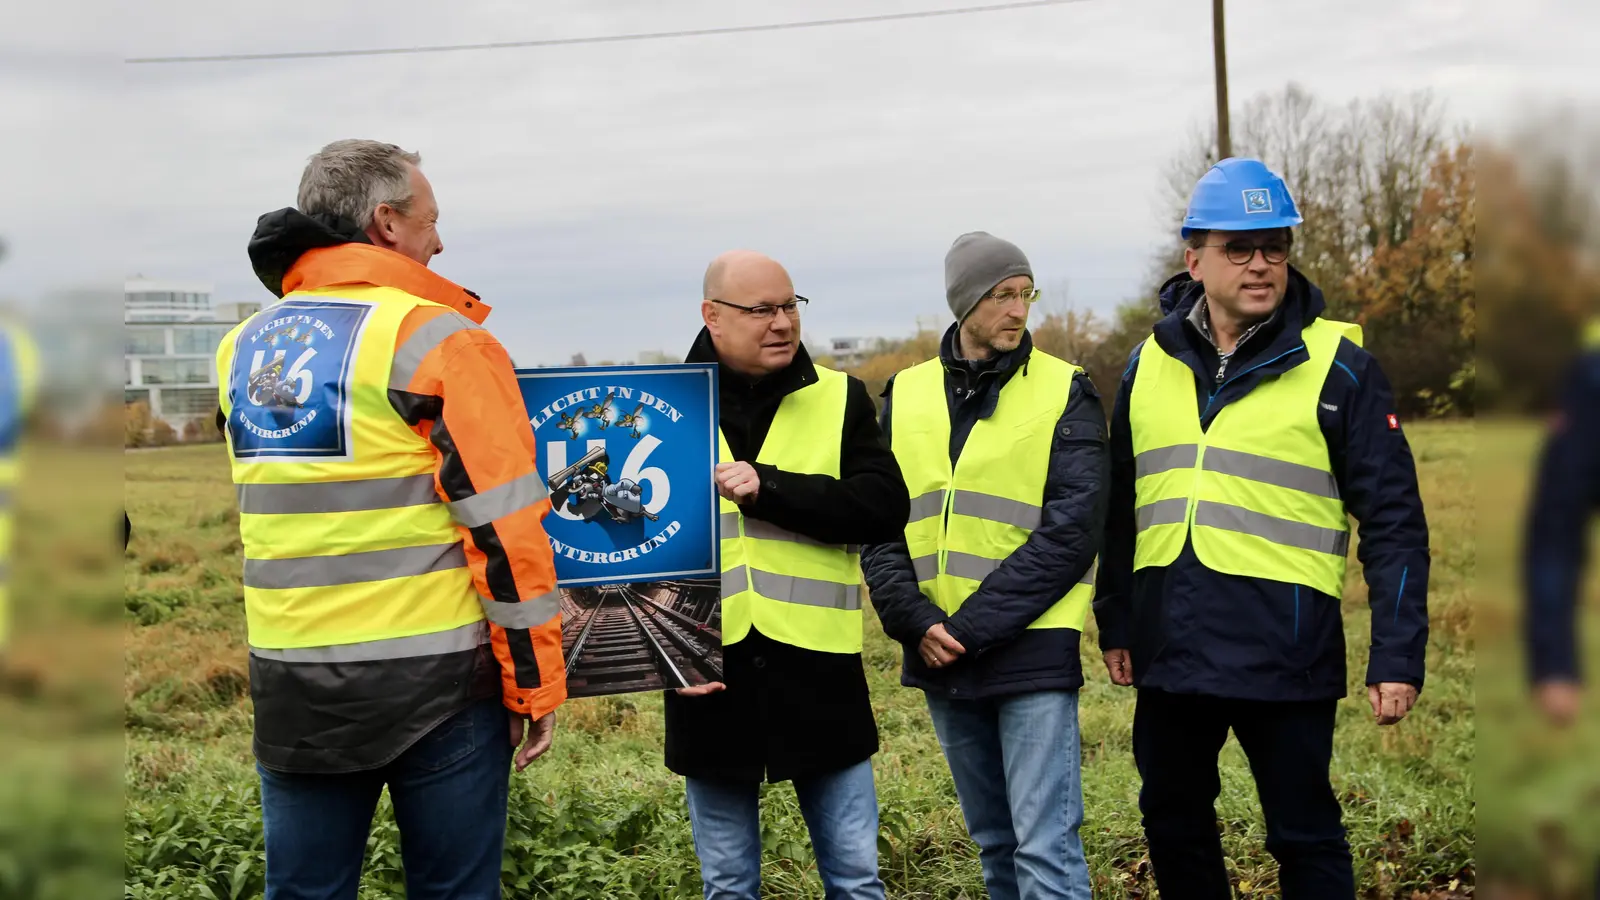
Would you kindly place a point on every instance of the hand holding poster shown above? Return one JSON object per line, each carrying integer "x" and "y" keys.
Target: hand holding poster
{"x": 627, "y": 453}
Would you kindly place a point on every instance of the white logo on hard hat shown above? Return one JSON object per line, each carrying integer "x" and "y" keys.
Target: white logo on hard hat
{"x": 1257, "y": 200}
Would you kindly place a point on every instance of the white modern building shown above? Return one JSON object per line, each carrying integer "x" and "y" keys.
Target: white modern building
{"x": 850, "y": 351}
{"x": 171, "y": 334}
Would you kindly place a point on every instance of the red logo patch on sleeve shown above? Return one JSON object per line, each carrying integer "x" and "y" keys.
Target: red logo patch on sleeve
{"x": 1394, "y": 422}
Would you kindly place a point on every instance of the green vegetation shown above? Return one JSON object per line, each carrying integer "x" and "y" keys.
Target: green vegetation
{"x": 601, "y": 817}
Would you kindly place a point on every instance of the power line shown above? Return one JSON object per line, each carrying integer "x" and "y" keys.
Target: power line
{"x": 605, "y": 39}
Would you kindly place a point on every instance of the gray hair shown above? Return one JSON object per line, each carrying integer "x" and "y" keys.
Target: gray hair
{"x": 352, "y": 178}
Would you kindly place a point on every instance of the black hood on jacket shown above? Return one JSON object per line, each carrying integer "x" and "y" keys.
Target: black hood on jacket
{"x": 282, "y": 236}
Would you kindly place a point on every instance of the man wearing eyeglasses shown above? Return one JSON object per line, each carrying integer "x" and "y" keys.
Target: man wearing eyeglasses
{"x": 1246, "y": 429}
{"x": 1003, "y": 448}
{"x": 804, "y": 478}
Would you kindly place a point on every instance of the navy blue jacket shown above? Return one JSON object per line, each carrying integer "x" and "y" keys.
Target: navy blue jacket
{"x": 1002, "y": 655}
{"x": 1196, "y": 631}
{"x": 1565, "y": 500}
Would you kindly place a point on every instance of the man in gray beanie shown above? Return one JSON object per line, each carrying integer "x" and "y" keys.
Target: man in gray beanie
{"x": 1003, "y": 448}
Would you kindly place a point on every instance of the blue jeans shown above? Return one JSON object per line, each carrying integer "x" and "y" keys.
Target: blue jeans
{"x": 841, "y": 812}
{"x": 1016, "y": 765}
{"x": 449, "y": 795}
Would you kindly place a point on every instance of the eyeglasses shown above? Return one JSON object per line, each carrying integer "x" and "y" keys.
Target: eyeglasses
{"x": 1004, "y": 298}
{"x": 768, "y": 310}
{"x": 1240, "y": 252}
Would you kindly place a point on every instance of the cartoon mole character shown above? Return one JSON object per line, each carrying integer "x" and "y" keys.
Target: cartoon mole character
{"x": 624, "y": 503}
{"x": 267, "y": 387}
{"x": 587, "y": 498}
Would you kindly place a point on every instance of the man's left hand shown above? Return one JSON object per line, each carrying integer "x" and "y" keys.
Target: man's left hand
{"x": 738, "y": 481}
{"x": 1391, "y": 701}
{"x": 540, "y": 734}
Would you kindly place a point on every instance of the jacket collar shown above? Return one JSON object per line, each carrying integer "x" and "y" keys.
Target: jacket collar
{"x": 800, "y": 372}
{"x": 366, "y": 264}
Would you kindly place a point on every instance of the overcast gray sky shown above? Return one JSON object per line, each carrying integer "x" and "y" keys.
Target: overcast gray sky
{"x": 584, "y": 188}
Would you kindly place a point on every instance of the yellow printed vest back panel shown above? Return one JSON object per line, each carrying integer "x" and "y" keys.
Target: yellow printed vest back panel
{"x": 350, "y": 554}
{"x": 967, "y": 519}
{"x": 791, "y": 588}
{"x": 1254, "y": 492}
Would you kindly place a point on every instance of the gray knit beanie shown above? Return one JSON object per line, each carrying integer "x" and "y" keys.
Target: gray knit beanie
{"x": 978, "y": 261}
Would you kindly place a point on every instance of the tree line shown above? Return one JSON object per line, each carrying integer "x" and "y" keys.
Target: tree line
{"x": 1389, "y": 189}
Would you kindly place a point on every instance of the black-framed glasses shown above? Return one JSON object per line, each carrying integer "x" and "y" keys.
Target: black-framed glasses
{"x": 768, "y": 310}
{"x": 1004, "y": 298}
{"x": 1240, "y": 250}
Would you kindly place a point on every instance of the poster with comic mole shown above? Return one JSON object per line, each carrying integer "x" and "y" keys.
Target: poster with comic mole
{"x": 627, "y": 453}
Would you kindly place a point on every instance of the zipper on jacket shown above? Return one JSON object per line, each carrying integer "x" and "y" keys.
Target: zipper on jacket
{"x": 1219, "y": 388}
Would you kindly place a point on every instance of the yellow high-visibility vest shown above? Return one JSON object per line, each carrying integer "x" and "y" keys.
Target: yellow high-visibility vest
{"x": 350, "y": 554}
{"x": 19, "y": 385}
{"x": 965, "y": 520}
{"x": 1255, "y": 492}
{"x": 793, "y": 589}
{"x": 1591, "y": 336}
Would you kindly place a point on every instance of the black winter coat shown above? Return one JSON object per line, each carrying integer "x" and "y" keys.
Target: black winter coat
{"x": 1556, "y": 547}
{"x": 1192, "y": 630}
{"x": 787, "y": 712}
{"x": 1003, "y": 656}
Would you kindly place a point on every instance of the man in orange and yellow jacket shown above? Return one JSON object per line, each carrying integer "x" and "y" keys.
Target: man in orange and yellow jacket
{"x": 400, "y": 590}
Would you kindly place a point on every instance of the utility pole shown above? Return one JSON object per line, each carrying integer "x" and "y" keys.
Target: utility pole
{"x": 1220, "y": 54}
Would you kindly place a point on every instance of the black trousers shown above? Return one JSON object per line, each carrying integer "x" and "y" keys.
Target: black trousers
{"x": 1176, "y": 740}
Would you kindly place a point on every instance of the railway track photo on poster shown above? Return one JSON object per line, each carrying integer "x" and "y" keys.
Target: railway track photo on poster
{"x": 642, "y": 636}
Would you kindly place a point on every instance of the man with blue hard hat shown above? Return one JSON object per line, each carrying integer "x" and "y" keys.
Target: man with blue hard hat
{"x": 1246, "y": 429}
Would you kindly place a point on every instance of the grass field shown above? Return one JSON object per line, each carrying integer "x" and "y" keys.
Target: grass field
{"x": 601, "y": 817}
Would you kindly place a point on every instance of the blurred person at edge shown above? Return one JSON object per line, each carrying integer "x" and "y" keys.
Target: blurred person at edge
{"x": 805, "y": 477}
{"x": 19, "y": 388}
{"x": 400, "y": 589}
{"x": 1556, "y": 550}
{"x": 1246, "y": 430}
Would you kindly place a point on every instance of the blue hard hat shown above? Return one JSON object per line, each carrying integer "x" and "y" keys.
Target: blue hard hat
{"x": 1240, "y": 195}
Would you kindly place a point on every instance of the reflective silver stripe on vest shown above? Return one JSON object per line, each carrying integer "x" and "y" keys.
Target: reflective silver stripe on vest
{"x": 735, "y": 581}
{"x": 408, "y": 357}
{"x": 1271, "y": 471}
{"x": 966, "y": 565}
{"x": 1272, "y": 528}
{"x": 926, "y": 506}
{"x": 791, "y": 589}
{"x": 730, "y": 524}
{"x": 996, "y": 509}
{"x": 516, "y": 494}
{"x": 336, "y": 496}
{"x": 766, "y": 531}
{"x": 530, "y": 613}
{"x": 456, "y": 640}
{"x": 1174, "y": 511}
{"x": 1165, "y": 459}
{"x": 352, "y": 568}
